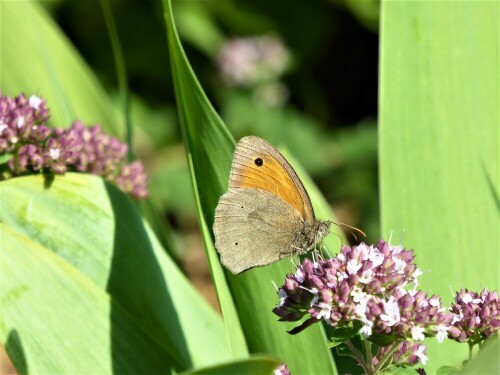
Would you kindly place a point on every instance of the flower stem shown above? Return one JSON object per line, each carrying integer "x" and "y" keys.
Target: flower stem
{"x": 387, "y": 357}
{"x": 368, "y": 351}
{"x": 359, "y": 358}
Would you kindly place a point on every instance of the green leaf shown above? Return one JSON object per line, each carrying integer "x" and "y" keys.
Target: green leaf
{"x": 255, "y": 365}
{"x": 339, "y": 335}
{"x": 55, "y": 320}
{"x": 209, "y": 150}
{"x": 95, "y": 231}
{"x": 487, "y": 360}
{"x": 38, "y": 59}
{"x": 439, "y": 119}
{"x": 399, "y": 370}
{"x": 445, "y": 370}
{"x": 382, "y": 340}
{"x": 208, "y": 145}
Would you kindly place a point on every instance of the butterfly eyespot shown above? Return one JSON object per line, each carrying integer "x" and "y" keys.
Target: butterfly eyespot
{"x": 236, "y": 243}
{"x": 259, "y": 162}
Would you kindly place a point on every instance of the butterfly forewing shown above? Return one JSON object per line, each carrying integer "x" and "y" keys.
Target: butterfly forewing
{"x": 257, "y": 164}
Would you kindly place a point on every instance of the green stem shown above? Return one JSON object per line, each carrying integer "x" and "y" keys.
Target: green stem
{"x": 359, "y": 358}
{"x": 470, "y": 351}
{"x": 121, "y": 71}
{"x": 387, "y": 357}
{"x": 368, "y": 352}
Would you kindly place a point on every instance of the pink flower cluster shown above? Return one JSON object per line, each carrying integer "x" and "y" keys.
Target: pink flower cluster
{"x": 476, "y": 316}
{"x": 34, "y": 147}
{"x": 407, "y": 352}
{"x": 364, "y": 285}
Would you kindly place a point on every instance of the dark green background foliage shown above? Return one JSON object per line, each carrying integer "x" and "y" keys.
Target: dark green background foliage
{"x": 329, "y": 123}
{"x": 391, "y": 120}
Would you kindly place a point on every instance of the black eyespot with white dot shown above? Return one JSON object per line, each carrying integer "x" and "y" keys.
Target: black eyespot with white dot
{"x": 259, "y": 162}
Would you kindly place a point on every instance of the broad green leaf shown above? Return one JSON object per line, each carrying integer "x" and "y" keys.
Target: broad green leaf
{"x": 196, "y": 25}
{"x": 97, "y": 230}
{"x": 445, "y": 370}
{"x": 258, "y": 364}
{"x": 55, "y": 320}
{"x": 208, "y": 145}
{"x": 439, "y": 119}
{"x": 37, "y": 58}
{"x": 209, "y": 150}
{"x": 487, "y": 360}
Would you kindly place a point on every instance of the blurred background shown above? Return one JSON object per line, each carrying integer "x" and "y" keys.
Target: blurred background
{"x": 309, "y": 87}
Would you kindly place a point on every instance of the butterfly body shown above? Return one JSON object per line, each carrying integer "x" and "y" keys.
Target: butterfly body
{"x": 266, "y": 215}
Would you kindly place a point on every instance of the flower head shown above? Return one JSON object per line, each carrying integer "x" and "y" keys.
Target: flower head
{"x": 248, "y": 61}
{"x": 364, "y": 284}
{"x": 476, "y": 316}
{"x": 281, "y": 370}
{"x": 37, "y": 148}
{"x": 407, "y": 353}
{"x": 20, "y": 121}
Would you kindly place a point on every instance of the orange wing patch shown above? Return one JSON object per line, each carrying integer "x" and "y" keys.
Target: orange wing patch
{"x": 254, "y": 167}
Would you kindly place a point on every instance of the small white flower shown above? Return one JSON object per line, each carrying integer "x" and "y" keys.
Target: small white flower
{"x": 366, "y": 330}
{"x": 417, "y": 333}
{"x": 457, "y": 317}
{"x": 364, "y": 251}
{"x": 434, "y": 302}
{"x": 55, "y": 153}
{"x": 412, "y": 292}
{"x": 358, "y": 295}
{"x": 399, "y": 265}
{"x": 299, "y": 275}
{"x": 326, "y": 311}
{"x": 441, "y": 332}
{"x": 391, "y": 312}
{"x": 376, "y": 257}
{"x": 3, "y": 126}
{"x": 35, "y": 101}
{"x": 423, "y": 303}
{"x": 20, "y": 122}
{"x": 341, "y": 257}
{"x": 420, "y": 354}
{"x": 341, "y": 276}
{"x": 283, "y": 296}
{"x": 467, "y": 298}
{"x": 417, "y": 273}
{"x": 396, "y": 249}
{"x": 366, "y": 276}
{"x": 353, "y": 266}
{"x": 362, "y": 305}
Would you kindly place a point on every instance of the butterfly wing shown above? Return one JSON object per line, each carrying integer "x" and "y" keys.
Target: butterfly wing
{"x": 257, "y": 164}
{"x": 254, "y": 227}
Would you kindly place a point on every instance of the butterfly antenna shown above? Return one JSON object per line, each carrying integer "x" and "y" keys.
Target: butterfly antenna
{"x": 339, "y": 224}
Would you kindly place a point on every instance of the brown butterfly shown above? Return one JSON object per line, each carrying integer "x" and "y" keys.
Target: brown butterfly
{"x": 266, "y": 215}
